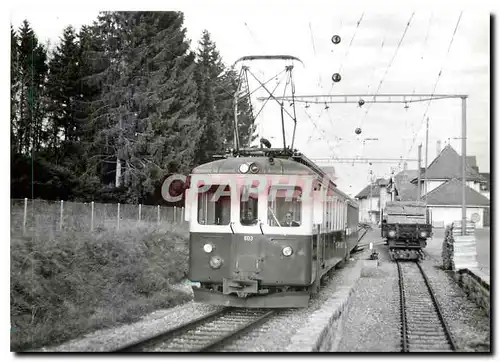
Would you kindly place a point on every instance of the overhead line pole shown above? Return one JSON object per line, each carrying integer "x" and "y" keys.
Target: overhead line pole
{"x": 464, "y": 145}
{"x": 426, "y": 153}
{"x": 418, "y": 182}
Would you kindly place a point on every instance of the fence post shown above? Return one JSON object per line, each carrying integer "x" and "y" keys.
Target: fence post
{"x": 92, "y": 216}
{"x": 62, "y": 215}
{"x": 118, "y": 218}
{"x": 140, "y": 206}
{"x": 25, "y": 214}
{"x": 175, "y": 214}
{"x": 158, "y": 214}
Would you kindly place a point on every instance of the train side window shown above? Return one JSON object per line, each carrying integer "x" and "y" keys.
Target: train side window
{"x": 214, "y": 206}
{"x": 332, "y": 214}
{"x": 337, "y": 212}
{"x": 341, "y": 215}
{"x": 328, "y": 214}
{"x": 334, "y": 221}
{"x": 284, "y": 207}
{"x": 325, "y": 214}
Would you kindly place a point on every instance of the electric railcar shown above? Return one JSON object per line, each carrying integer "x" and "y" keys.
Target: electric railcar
{"x": 265, "y": 227}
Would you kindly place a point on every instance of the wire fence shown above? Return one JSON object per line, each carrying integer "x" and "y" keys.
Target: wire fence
{"x": 29, "y": 215}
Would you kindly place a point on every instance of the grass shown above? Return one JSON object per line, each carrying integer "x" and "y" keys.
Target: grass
{"x": 70, "y": 283}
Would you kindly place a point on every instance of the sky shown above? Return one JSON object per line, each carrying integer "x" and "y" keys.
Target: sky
{"x": 367, "y": 57}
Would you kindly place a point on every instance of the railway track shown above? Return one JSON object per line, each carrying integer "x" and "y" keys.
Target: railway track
{"x": 205, "y": 333}
{"x": 423, "y": 328}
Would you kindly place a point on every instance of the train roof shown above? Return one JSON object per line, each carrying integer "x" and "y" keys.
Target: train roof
{"x": 283, "y": 163}
{"x": 279, "y": 166}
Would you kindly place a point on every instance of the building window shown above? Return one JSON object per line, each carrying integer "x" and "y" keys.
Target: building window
{"x": 214, "y": 206}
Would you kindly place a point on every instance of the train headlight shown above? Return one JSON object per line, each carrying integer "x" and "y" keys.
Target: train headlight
{"x": 287, "y": 251}
{"x": 392, "y": 233}
{"x": 423, "y": 234}
{"x": 208, "y": 248}
{"x": 254, "y": 168}
{"x": 215, "y": 262}
{"x": 244, "y": 168}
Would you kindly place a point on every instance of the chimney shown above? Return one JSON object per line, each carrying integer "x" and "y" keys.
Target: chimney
{"x": 438, "y": 148}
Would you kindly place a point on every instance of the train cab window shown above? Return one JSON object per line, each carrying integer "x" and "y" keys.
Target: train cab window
{"x": 214, "y": 206}
{"x": 284, "y": 207}
{"x": 248, "y": 206}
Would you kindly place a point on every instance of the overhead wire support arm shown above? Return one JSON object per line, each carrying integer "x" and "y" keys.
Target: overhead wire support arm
{"x": 282, "y": 108}
{"x": 293, "y": 103}
{"x": 271, "y": 95}
{"x": 236, "y": 135}
{"x": 367, "y": 98}
{"x": 360, "y": 160}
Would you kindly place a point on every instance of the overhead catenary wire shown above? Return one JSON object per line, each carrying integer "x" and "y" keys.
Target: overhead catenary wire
{"x": 348, "y": 48}
{"x": 424, "y": 44}
{"x": 320, "y": 132}
{"x": 414, "y": 88}
{"x": 314, "y": 51}
{"x": 341, "y": 66}
{"x": 375, "y": 67}
{"x": 437, "y": 81}
{"x": 388, "y": 67}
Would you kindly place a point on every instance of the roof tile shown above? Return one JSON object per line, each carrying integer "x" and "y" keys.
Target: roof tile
{"x": 450, "y": 193}
{"x": 448, "y": 165}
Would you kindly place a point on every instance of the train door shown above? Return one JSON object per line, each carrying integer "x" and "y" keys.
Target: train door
{"x": 323, "y": 233}
{"x": 318, "y": 222}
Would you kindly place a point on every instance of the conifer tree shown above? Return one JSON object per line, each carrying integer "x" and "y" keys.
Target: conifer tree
{"x": 14, "y": 88}
{"x": 64, "y": 93}
{"x": 32, "y": 74}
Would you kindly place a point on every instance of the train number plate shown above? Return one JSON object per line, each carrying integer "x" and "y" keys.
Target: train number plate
{"x": 248, "y": 238}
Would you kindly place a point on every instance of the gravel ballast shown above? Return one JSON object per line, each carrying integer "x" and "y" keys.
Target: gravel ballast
{"x": 373, "y": 323}
{"x": 154, "y": 323}
{"x": 468, "y": 323}
{"x": 299, "y": 329}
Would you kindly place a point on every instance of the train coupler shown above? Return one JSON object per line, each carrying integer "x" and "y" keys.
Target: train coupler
{"x": 241, "y": 287}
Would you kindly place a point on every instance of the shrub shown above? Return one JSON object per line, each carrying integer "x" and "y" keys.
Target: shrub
{"x": 71, "y": 283}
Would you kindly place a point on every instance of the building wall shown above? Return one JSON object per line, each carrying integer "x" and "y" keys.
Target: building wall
{"x": 443, "y": 216}
{"x": 431, "y": 185}
{"x": 364, "y": 207}
{"x": 384, "y": 197}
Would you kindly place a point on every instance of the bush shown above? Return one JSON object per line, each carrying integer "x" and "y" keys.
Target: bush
{"x": 71, "y": 283}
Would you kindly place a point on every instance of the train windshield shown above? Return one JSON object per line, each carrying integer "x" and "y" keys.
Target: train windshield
{"x": 284, "y": 206}
{"x": 248, "y": 206}
{"x": 214, "y": 205}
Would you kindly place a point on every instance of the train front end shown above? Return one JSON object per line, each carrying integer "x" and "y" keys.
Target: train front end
{"x": 243, "y": 251}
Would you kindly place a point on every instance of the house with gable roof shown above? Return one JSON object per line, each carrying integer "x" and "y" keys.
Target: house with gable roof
{"x": 444, "y": 189}
{"x": 401, "y": 187}
{"x": 446, "y": 166}
{"x": 372, "y": 200}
